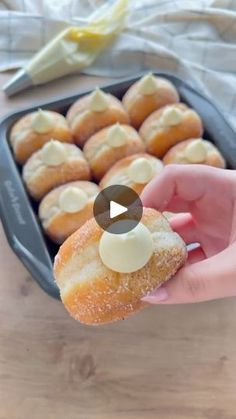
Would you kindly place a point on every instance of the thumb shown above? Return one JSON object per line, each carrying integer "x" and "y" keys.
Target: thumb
{"x": 210, "y": 279}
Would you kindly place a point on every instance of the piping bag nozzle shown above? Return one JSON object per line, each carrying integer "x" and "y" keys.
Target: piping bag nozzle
{"x": 20, "y": 81}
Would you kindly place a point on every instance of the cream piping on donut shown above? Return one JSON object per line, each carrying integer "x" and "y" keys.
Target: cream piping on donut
{"x": 128, "y": 252}
{"x": 72, "y": 200}
{"x": 196, "y": 151}
{"x": 140, "y": 170}
{"x": 116, "y": 136}
{"x": 53, "y": 153}
{"x": 42, "y": 122}
{"x": 98, "y": 101}
{"x": 171, "y": 116}
{"x": 148, "y": 85}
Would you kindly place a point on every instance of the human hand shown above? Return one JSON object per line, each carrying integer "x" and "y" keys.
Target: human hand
{"x": 208, "y": 195}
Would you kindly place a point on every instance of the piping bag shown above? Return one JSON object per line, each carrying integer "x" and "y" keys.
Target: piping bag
{"x": 72, "y": 50}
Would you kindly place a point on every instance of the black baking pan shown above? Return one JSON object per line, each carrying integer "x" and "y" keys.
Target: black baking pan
{"x": 19, "y": 213}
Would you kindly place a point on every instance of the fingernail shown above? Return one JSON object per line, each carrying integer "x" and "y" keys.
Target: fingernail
{"x": 157, "y": 296}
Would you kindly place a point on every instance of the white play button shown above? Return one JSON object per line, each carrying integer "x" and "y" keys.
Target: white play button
{"x": 116, "y": 209}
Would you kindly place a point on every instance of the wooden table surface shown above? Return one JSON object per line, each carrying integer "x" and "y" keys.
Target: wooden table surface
{"x": 174, "y": 362}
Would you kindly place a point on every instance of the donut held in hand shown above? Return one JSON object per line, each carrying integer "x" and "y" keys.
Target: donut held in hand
{"x": 102, "y": 276}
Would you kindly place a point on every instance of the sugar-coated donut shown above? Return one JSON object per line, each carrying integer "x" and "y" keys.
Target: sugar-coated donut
{"x": 53, "y": 165}
{"x": 109, "y": 145}
{"x": 93, "y": 112}
{"x": 66, "y": 208}
{"x": 168, "y": 126}
{"x": 195, "y": 151}
{"x": 143, "y": 259}
{"x": 133, "y": 171}
{"x": 146, "y": 96}
{"x": 33, "y": 130}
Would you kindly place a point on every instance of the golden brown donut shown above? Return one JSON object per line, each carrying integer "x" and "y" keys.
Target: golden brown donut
{"x": 93, "y": 293}
{"x": 34, "y": 129}
{"x": 146, "y": 96}
{"x": 93, "y": 112}
{"x": 66, "y": 208}
{"x": 53, "y": 165}
{"x": 133, "y": 171}
{"x": 168, "y": 126}
{"x": 195, "y": 151}
{"x": 109, "y": 145}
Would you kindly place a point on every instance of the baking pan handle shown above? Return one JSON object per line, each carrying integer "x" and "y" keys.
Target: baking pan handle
{"x": 21, "y": 226}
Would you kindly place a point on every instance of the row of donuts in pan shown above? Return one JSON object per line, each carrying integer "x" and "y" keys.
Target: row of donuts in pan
{"x": 101, "y": 142}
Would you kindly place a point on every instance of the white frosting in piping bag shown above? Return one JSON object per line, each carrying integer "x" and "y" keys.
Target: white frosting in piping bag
{"x": 42, "y": 122}
{"x": 148, "y": 85}
{"x": 72, "y": 199}
{"x": 77, "y": 47}
{"x": 126, "y": 252}
{"x": 98, "y": 101}
{"x": 53, "y": 153}
{"x": 116, "y": 136}
{"x": 141, "y": 170}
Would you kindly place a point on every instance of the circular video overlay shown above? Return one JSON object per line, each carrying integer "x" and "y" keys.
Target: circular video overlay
{"x": 117, "y": 209}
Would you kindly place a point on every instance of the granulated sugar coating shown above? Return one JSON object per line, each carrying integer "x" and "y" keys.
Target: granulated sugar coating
{"x": 94, "y": 294}
{"x": 41, "y": 178}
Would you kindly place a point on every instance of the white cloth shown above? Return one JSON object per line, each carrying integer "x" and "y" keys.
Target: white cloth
{"x": 195, "y": 39}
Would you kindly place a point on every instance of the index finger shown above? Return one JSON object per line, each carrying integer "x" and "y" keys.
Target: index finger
{"x": 180, "y": 185}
